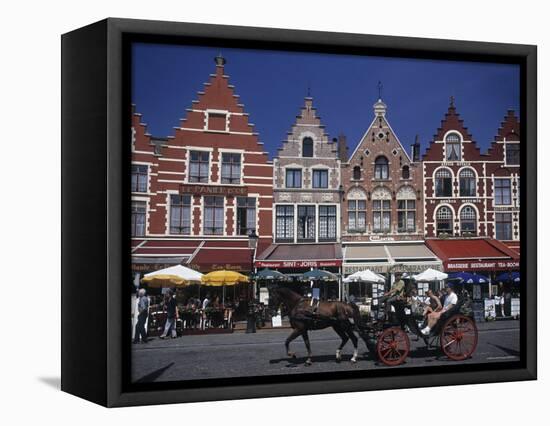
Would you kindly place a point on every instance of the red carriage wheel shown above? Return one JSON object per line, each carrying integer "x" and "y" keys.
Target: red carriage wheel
{"x": 459, "y": 337}
{"x": 393, "y": 346}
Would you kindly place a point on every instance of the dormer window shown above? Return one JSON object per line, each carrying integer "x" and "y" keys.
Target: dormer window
{"x": 307, "y": 147}
{"x": 452, "y": 147}
{"x": 381, "y": 168}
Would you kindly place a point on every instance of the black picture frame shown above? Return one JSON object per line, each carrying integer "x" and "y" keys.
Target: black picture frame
{"x": 95, "y": 173}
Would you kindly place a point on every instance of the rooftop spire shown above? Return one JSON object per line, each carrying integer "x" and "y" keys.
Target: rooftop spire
{"x": 380, "y": 107}
{"x": 452, "y": 102}
{"x": 220, "y": 60}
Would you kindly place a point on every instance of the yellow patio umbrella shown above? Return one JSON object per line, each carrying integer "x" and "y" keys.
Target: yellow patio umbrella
{"x": 223, "y": 277}
{"x": 175, "y": 276}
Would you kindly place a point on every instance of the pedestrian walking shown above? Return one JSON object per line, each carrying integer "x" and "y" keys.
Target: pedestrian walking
{"x": 172, "y": 316}
{"x": 143, "y": 312}
{"x": 206, "y": 301}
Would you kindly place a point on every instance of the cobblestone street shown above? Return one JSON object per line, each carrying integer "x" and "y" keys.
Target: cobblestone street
{"x": 262, "y": 353}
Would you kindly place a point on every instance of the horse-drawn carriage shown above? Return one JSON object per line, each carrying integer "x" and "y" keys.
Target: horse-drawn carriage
{"x": 386, "y": 336}
{"x": 455, "y": 333}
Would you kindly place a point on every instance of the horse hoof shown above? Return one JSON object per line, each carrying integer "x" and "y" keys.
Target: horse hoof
{"x": 308, "y": 362}
{"x": 292, "y": 355}
{"x": 353, "y": 361}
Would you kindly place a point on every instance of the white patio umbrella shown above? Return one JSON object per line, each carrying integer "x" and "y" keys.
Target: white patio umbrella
{"x": 366, "y": 276}
{"x": 430, "y": 275}
{"x": 174, "y": 276}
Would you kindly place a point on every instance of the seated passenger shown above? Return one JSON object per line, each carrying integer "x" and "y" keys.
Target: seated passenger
{"x": 433, "y": 302}
{"x": 450, "y": 301}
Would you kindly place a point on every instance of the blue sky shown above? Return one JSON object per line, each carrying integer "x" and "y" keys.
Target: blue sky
{"x": 273, "y": 84}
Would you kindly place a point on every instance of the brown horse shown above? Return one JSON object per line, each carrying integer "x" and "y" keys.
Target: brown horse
{"x": 342, "y": 317}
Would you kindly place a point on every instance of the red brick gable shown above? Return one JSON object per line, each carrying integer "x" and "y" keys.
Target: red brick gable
{"x": 452, "y": 121}
{"x": 509, "y": 128}
{"x": 141, "y": 139}
{"x": 219, "y": 95}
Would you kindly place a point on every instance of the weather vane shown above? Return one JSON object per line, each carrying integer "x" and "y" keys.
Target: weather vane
{"x": 380, "y": 89}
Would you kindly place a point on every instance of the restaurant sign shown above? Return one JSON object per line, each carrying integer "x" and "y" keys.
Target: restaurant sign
{"x": 383, "y": 268}
{"x": 150, "y": 267}
{"x": 196, "y": 189}
{"x": 297, "y": 263}
{"x": 481, "y": 266}
{"x": 218, "y": 267}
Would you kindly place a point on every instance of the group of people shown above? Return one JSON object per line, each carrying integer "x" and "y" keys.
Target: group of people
{"x": 170, "y": 306}
{"x": 434, "y": 305}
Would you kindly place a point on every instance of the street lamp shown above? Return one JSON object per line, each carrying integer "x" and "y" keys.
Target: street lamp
{"x": 253, "y": 240}
{"x": 252, "y": 245}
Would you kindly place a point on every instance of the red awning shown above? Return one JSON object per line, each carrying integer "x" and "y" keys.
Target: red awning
{"x": 478, "y": 254}
{"x": 164, "y": 247}
{"x": 229, "y": 255}
{"x": 300, "y": 256}
{"x": 513, "y": 245}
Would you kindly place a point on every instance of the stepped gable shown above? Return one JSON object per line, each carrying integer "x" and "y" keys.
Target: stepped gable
{"x": 307, "y": 121}
{"x": 509, "y": 128}
{"x": 218, "y": 96}
{"x": 452, "y": 121}
{"x": 141, "y": 139}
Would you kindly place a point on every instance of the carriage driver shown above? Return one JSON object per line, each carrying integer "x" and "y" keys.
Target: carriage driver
{"x": 450, "y": 301}
{"x": 397, "y": 290}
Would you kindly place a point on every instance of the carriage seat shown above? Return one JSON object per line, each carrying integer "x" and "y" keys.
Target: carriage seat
{"x": 462, "y": 307}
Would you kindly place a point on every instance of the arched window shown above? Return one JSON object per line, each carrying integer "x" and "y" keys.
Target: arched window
{"x": 443, "y": 183}
{"x": 405, "y": 172}
{"x": 307, "y": 147}
{"x": 357, "y": 173}
{"x": 468, "y": 221}
{"x": 381, "y": 169}
{"x": 444, "y": 221}
{"x": 467, "y": 180}
{"x": 452, "y": 147}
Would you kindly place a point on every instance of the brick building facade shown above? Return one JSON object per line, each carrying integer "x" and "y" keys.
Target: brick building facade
{"x": 503, "y": 170}
{"x": 306, "y": 183}
{"x": 382, "y": 187}
{"x": 468, "y": 193}
{"x": 198, "y": 194}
